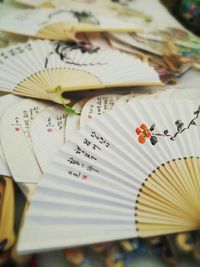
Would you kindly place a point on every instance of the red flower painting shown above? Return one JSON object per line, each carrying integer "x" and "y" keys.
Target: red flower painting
{"x": 149, "y": 133}
{"x": 143, "y": 132}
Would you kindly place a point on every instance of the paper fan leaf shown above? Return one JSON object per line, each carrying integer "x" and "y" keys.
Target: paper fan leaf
{"x": 6, "y": 102}
{"x": 47, "y": 134}
{"x": 151, "y": 189}
{"x": 37, "y": 68}
{"x": 15, "y": 138}
{"x": 97, "y": 106}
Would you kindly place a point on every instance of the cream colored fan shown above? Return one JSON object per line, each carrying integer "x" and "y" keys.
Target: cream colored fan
{"x": 5, "y": 103}
{"x": 16, "y": 143}
{"x": 35, "y": 3}
{"x": 160, "y": 20}
{"x": 51, "y": 3}
{"x": 63, "y": 23}
{"x": 133, "y": 171}
{"x": 38, "y": 68}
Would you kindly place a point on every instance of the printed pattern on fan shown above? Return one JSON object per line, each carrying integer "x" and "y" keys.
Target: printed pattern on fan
{"x": 47, "y": 134}
{"x": 103, "y": 179}
{"x": 97, "y": 106}
{"x": 5, "y": 102}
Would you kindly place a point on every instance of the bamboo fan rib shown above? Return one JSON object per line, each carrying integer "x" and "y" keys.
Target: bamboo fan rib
{"x": 35, "y": 3}
{"x": 169, "y": 198}
{"x": 37, "y": 68}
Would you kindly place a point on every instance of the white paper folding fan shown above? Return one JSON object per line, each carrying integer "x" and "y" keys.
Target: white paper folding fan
{"x": 47, "y": 134}
{"x": 16, "y": 143}
{"x": 63, "y": 23}
{"x": 37, "y": 68}
{"x": 134, "y": 171}
{"x": 5, "y": 102}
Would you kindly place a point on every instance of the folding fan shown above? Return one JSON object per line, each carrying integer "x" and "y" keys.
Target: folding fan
{"x": 133, "y": 171}
{"x": 39, "y": 68}
{"x": 35, "y": 3}
{"x": 160, "y": 15}
{"x": 161, "y": 19}
{"x": 5, "y": 102}
{"x": 63, "y": 23}
{"x": 47, "y": 134}
{"x": 16, "y": 142}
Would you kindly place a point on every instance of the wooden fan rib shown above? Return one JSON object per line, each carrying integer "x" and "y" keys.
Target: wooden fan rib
{"x": 147, "y": 210}
{"x": 186, "y": 174}
{"x": 156, "y": 219}
{"x": 24, "y": 92}
{"x": 183, "y": 170}
{"x": 176, "y": 166}
{"x": 160, "y": 190}
{"x": 164, "y": 230}
{"x": 196, "y": 165}
{"x": 191, "y": 172}
{"x": 144, "y": 201}
{"x": 175, "y": 180}
{"x": 187, "y": 199}
{"x": 164, "y": 183}
{"x": 31, "y": 86}
{"x": 184, "y": 207}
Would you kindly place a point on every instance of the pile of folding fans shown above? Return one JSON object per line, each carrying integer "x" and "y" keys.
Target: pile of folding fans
{"x": 97, "y": 158}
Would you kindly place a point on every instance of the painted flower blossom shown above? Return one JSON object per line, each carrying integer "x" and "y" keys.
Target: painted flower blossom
{"x": 143, "y": 132}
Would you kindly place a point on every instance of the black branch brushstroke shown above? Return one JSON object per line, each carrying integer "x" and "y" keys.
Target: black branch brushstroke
{"x": 63, "y": 48}
{"x": 180, "y": 129}
{"x": 85, "y": 16}
{"x": 80, "y": 16}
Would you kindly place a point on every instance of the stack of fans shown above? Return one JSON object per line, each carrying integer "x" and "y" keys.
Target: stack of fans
{"x": 93, "y": 148}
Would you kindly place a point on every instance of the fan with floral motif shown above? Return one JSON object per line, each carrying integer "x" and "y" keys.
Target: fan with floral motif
{"x": 132, "y": 172}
